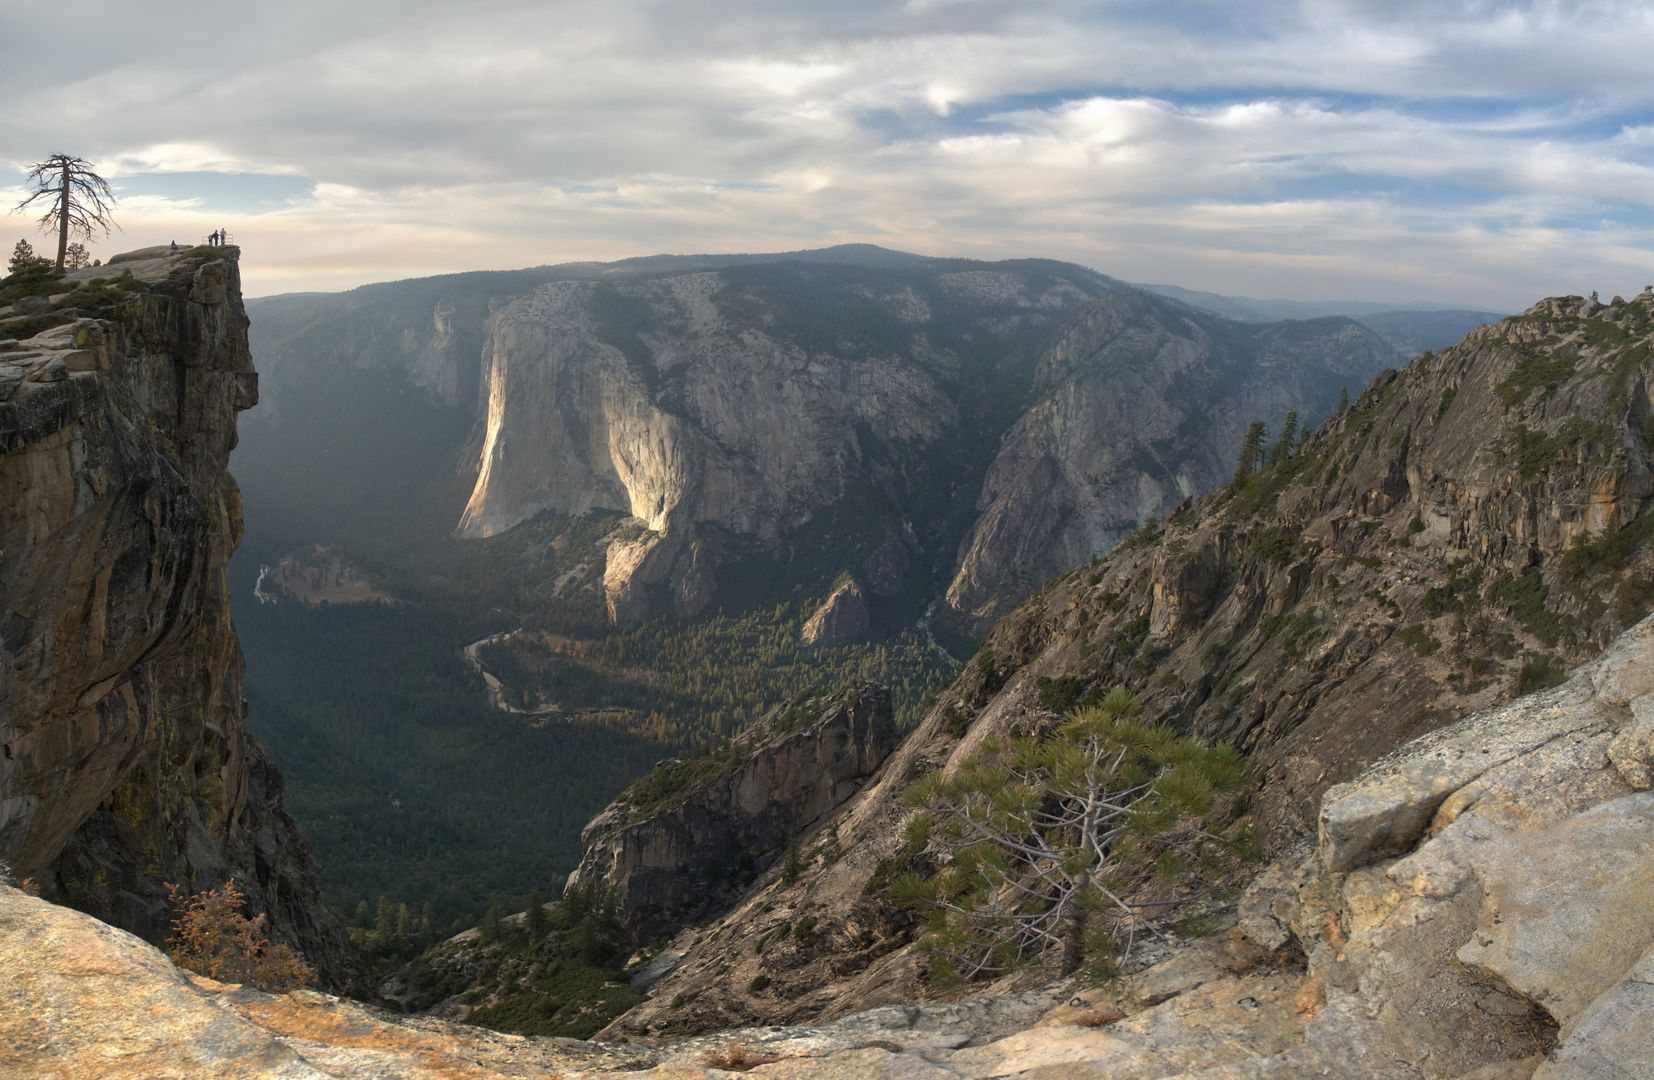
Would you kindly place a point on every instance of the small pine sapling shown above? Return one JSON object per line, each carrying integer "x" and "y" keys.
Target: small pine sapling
{"x": 1055, "y": 844}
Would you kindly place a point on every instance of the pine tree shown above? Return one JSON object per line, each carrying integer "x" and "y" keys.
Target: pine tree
{"x": 793, "y": 865}
{"x": 1041, "y": 843}
{"x": 488, "y": 931}
{"x": 76, "y": 257}
{"x": 1251, "y": 452}
{"x": 1289, "y": 437}
{"x": 1344, "y": 400}
{"x": 404, "y": 923}
{"x": 25, "y": 261}
{"x": 537, "y": 923}
{"x": 383, "y": 927}
{"x": 78, "y": 200}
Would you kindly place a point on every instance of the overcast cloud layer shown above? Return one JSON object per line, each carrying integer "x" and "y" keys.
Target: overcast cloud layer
{"x": 1479, "y": 153}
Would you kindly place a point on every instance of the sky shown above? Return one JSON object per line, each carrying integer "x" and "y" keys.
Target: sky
{"x": 1483, "y": 153}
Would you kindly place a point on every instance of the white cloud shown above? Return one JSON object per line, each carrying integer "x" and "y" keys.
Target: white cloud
{"x": 1388, "y": 148}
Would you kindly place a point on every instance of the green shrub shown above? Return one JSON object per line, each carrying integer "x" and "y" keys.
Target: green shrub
{"x": 1540, "y": 672}
{"x": 1420, "y": 639}
{"x": 1534, "y": 371}
{"x": 1527, "y": 595}
{"x": 1027, "y": 864}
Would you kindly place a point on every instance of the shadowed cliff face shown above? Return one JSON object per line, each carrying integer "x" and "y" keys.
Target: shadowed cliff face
{"x": 126, "y": 764}
{"x": 1138, "y": 406}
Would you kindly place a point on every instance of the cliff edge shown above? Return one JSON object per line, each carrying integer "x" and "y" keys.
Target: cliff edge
{"x": 1475, "y": 910}
{"x": 124, "y": 760}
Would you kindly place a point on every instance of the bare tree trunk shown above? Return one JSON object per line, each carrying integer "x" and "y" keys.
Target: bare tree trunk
{"x": 1073, "y": 939}
{"x": 63, "y": 220}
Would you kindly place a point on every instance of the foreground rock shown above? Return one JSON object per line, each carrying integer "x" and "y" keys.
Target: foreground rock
{"x": 126, "y": 763}
{"x": 82, "y": 999}
{"x": 1503, "y": 934}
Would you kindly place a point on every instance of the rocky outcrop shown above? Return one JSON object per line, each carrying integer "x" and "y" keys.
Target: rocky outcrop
{"x": 841, "y": 619}
{"x": 1502, "y": 933}
{"x": 1493, "y": 875}
{"x": 125, "y": 761}
{"x": 1470, "y": 527}
{"x": 682, "y": 843}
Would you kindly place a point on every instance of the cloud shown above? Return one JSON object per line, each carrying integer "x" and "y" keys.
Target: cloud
{"x": 1489, "y": 154}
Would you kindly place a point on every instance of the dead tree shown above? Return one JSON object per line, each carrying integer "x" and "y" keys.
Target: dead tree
{"x": 78, "y": 199}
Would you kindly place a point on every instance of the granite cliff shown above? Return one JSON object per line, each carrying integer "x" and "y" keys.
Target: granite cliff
{"x": 1137, "y": 408}
{"x": 683, "y": 843}
{"x": 944, "y": 430}
{"x": 1474, "y": 909}
{"x": 125, "y": 760}
{"x": 1470, "y": 527}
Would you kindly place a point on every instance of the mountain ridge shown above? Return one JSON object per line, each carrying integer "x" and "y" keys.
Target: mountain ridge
{"x": 1472, "y": 525}
{"x": 632, "y": 334}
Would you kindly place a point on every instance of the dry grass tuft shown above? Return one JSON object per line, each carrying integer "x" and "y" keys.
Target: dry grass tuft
{"x": 211, "y": 937}
{"x": 738, "y": 1057}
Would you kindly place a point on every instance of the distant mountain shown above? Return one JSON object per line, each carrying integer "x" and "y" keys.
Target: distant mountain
{"x": 937, "y": 428}
{"x": 1251, "y": 309}
{"x": 1414, "y": 332}
{"x": 1416, "y": 327}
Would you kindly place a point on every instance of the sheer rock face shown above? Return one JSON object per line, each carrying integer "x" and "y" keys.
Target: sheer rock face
{"x": 759, "y": 409}
{"x": 703, "y": 426}
{"x": 709, "y": 421}
{"x": 675, "y": 856}
{"x": 1503, "y": 933}
{"x": 125, "y": 761}
{"x": 1137, "y": 410}
{"x": 1418, "y": 561}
